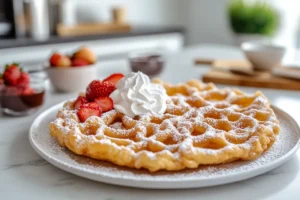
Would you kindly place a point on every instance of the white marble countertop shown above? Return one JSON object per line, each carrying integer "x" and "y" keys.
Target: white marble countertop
{"x": 25, "y": 175}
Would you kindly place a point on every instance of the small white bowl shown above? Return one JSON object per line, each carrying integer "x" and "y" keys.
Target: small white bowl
{"x": 263, "y": 56}
{"x": 72, "y": 79}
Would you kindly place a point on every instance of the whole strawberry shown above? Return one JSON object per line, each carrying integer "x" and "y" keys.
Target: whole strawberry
{"x": 24, "y": 79}
{"x": 28, "y": 91}
{"x": 99, "y": 89}
{"x": 11, "y": 74}
{"x": 54, "y": 58}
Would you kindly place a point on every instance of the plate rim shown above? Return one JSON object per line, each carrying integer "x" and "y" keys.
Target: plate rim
{"x": 150, "y": 184}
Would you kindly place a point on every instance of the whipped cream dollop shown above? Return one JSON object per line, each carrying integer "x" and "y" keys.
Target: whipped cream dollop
{"x": 136, "y": 95}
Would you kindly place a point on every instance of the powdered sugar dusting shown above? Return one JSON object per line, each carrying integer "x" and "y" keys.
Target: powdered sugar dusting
{"x": 218, "y": 125}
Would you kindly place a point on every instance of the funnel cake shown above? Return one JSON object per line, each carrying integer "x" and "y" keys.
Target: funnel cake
{"x": 202, "y": 125}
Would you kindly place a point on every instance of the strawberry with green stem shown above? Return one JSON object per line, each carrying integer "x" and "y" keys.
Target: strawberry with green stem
{"x": 12, "y": 74}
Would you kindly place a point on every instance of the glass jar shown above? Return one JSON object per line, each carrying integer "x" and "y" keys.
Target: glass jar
{"x": 20, "y": 100}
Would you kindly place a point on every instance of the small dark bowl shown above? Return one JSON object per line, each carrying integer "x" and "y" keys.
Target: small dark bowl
{"x": 150, "y": 64}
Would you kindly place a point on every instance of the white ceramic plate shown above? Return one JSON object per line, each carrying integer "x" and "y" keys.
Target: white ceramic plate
{"x": 286, "y": 145}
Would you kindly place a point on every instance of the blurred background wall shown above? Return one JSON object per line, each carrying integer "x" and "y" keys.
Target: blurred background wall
{"x": 206, "y": 21}
{"x": 155, "y": 12}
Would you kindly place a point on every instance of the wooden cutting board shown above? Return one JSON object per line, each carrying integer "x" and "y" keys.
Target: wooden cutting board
{"x": 89, "y": 29}
{"x": 260, "y": 79}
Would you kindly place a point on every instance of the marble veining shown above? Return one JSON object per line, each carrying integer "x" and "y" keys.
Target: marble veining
{"x": 68, "y": 180}
{"x": 32, "y": 163}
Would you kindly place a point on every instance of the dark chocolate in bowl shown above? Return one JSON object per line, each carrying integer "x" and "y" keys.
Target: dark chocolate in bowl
{"x": 151, "y": 64}
{"x": 21, "y": 103}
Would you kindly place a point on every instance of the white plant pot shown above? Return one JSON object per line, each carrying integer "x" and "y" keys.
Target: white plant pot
{"x": 241, "y": 38}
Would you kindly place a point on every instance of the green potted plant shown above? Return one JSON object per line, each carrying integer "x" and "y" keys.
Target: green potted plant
{"x": 255, "y": 20}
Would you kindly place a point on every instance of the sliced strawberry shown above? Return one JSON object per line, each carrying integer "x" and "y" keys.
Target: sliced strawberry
{"x": 79, "y": 62}
{"x": 11, "y": 74}
{"x": 24, "y": 79}
{"x": 114, "y": 78}
{"x": 99, "y": 89}
{"x": 54, "y": 59}
{"x": 80, "y": 101}
{"x": 105, "y": 103}
{"x": 87, "y": 110}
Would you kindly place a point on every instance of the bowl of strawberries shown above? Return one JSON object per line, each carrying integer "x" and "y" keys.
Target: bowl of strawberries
{"x": 72, "y": 73}
{"x": 21, "y": 93}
